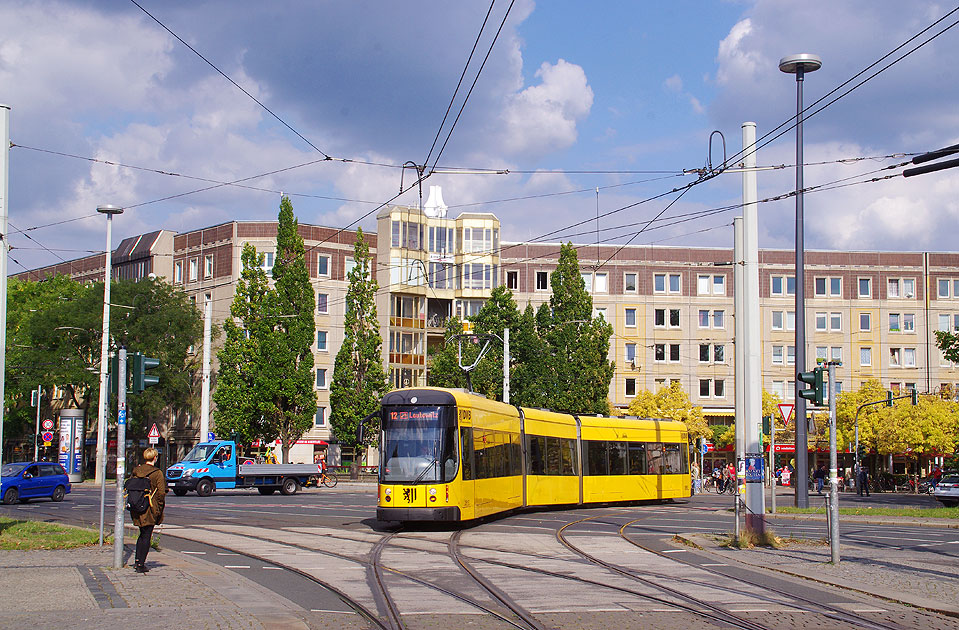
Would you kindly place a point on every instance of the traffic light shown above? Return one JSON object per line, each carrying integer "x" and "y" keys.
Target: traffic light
{"x": 112, "y": 374}
{"x": 766, "y": 422}
{"x": 142, "y": 380}
{"x": 889, "y": 399}
{"x": 862, "y": 452}
{"x": 816, "y": 392}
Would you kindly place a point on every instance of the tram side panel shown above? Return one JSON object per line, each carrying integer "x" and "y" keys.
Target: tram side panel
{"x": 492, "y": 459}
{"x": 552, "y": 459}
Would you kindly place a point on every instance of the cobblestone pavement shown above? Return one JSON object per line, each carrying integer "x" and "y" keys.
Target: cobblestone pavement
{"x": 80, "y": 588}
{"x": 893, "y": 574}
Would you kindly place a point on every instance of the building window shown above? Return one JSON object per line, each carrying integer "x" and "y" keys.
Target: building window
{"x": 865, "y": 287}
{"x": 659, "y": 317}
{"x": 659, "y": 352}
{"x": 820, "y": 321}
{"x": 512, "y": 280}
{"x": 599, "y": 313}
{"x": 674, "y": 353}
{"x": 674, "y": 318}
{"x": 909, "y": 357}
{"x": 782, "y": 285}
{"x": 908, "y": 288}
{"x": 865, "y": 322}
{"x": 895, "y": 357}
{"x": 659, "y": 283}
{"x": 835, "y": 322}
{"x": 909, "y": 322}
{"x": 821, "y": 353}
{"x": 943, "y": 288}
{"x": 828, "y": 287}
{"x": 711, "y": 285}
{"x": 704, "y": 353}
{"x": 630, "y": 386}
{"x": 835, "y": 353}
{"x": 588, "y": 281}
{"x": 319, "y": 420}
{"x": 674, "y": 286}
{"x": 704, "y": 388}
{"x": 542, "y": 280}
{"x": 630, "y": 352}
{"x": 778, "y": 355}
{"x": 629, "y": 283}
{"x": 631, "y": 317}
{"x": 321, "y": 378}
{"x": 712, "y": 388}
{"x": 719, "y": 353}
{"x": 178, "y": 272}
{"x": 777, "y": 317}
{"x": 865, "y": 357}
{"x": 321, "y": 340}
{"x": 601, "y": 283}
{"x": 348, "y": 264}
{"x": 894, "y": 325}
{"x": 194, "y": 269}
{"x": 719, "y": 319}
{"x": 321, "y": 303}
{"x": 208, "y": 266}
{"x": 719, "y": 388}
{"x": 267, "y": 262}
{"x": 791, "y": 355}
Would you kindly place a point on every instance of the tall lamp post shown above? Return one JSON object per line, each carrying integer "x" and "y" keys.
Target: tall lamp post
{"x": 104, "y": 353}
{"x": 799, "y": 65}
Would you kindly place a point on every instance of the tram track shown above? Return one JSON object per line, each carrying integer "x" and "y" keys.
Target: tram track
{"x": 811, "y": 605}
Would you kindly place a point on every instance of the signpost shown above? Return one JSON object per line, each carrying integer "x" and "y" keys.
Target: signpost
{"x": 154, "y": 434}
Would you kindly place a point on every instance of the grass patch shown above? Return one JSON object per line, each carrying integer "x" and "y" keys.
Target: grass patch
{"x": 22, "y": 535}
{"x": 939, "y": 512}
{"x": 750, "y": 539}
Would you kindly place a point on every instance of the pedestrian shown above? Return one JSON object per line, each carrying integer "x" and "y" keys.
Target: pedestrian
{"x": 936, "y": 476}
{"x": 862, "y": 481}
{"x": 154, "y": 514}
{"x": 820, "y": 477}
{"x": 694, "y": 471}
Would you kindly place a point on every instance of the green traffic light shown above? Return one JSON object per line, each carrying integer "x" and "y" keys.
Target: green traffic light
{"x": 816, "y": 393}
{"x": 142, "y": 380}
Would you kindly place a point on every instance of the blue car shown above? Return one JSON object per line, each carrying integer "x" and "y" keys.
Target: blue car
{"x": 22, "y": 481}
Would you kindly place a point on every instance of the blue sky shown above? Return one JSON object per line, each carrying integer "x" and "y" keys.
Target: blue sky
{"x": 569, "y": 86}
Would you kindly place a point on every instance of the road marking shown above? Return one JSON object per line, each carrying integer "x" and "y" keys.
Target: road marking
{"x": 748, "y": 610}
{"x": 674, "y": 550}
{"x": 273, "y": 568}
{"x": 335, "y": 612}
{"x": 223, "y": 553}
{"x": 869, "y": 610}
{"x": 714, "y": 564}
{"x": 195, "y": 553}
{"x": 236, "y": 566}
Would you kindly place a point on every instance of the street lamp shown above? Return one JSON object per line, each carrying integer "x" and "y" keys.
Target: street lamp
{"x": 101, "y": 472}
{"x": 799, "y": 65}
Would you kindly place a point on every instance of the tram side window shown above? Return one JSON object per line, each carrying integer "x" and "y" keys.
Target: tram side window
{"x": 466, "y": 433}
{"x": 674, "y": 460}
{"x": 617, "y": 458}
{"x": 552, "y": 456}
{"x": 537, "y": 455}
{"x": 654, "y": 458}
{"x": 637, "y": 458}
{"x": 515, "y": 455}
{"x": 492, "y": 452}
{"x": 568, "y": 448}
{"x": 596, "y": 458}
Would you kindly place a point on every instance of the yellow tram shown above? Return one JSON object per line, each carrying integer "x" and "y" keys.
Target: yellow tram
{"x": 449, "y": 455}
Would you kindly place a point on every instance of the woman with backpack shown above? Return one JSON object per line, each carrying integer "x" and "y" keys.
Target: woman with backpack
{"x": 153, "y": 514}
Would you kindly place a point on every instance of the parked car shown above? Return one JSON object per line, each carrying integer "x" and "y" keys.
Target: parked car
{"x": 947, "y": 490}
{"x": 22, "y": 481}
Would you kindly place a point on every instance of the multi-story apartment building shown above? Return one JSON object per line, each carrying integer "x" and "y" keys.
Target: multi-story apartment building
{"x": 671, "y": 308}
{"x": 206, "y": 264}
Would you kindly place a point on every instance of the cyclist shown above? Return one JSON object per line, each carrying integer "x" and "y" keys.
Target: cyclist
{"x": 718, "y": 479}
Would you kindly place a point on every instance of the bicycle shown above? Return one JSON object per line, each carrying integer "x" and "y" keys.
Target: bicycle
{"x": 328, "y": 479}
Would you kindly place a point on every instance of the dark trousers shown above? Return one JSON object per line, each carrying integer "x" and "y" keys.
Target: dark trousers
{"x": 143, "y": 544}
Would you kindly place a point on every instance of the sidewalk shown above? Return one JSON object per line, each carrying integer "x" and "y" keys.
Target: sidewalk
{"x": 80, "y": 588}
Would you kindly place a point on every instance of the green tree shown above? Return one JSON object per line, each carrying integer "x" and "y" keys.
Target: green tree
{"x": 673, "y": 403}
{"x": 948, "y": 342}
{"x": 54, "y": 336}
{"x": 358, "y": 378}
{"x": 498, "y": 313}
{"x": 287, "y": 396}
{"x": 529, "y": 376}
{"x": 239, "y": 378}
{"x": 577, "y": 345}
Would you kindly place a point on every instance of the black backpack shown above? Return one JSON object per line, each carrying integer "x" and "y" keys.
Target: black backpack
{"x": 138, "y": 495}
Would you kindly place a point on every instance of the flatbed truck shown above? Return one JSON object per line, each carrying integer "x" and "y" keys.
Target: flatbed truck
{"x": 212, "y": 466}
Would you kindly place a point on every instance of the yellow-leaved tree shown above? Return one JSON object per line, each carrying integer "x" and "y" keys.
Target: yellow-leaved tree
{"x": 671, "y": 402}
{"x": 917, "y": 430}
{"x": 870, "y": 418}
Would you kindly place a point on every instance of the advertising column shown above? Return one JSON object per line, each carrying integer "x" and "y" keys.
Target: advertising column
{"x": 71, "y": 443}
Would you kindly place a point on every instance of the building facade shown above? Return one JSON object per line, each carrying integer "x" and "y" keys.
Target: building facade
{"x": 671, "y": 308}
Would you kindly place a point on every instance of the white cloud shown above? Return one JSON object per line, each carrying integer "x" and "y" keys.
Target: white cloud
{"x": 543, "y": 117}
{"x": 674, "y": 83}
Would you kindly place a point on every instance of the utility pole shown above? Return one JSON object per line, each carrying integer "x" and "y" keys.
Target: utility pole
{"x": 833, "y": 467}
{"x": 740, "y": 361}
{"x": 4, "y": 246}
{"x": 752, "y": 359}
{"x": 36, "y": 443}
{"x": 506, "y": 365}
{"x": 121, "y": 458}
{"x": 205, "y": 391}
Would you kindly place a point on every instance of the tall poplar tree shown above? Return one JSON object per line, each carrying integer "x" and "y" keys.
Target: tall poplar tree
{"x": 578, "y": 369}
{"x": 238, "y": 380}
{"x": 358, "y": 377}
{"x": 288, "y": 399}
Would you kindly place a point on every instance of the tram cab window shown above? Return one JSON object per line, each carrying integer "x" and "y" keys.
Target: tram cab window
{"x": 419, "y": 445}
{"x": 466, "y": 440}
{"x": 654, "y": 458}
{"x": 617, "y": 458}
{"x": 637, "y": 458}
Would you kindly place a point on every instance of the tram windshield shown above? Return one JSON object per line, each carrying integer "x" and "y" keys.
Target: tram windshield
{"x": 419, "y": 445}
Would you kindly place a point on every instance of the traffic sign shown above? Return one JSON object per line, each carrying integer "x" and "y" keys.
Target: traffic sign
{"x": 786, "y": 412}
{"x": 210, "y": 436}
{"x": 48, "y": 424}
{"x": 704, "y": 448}
{"x": 154, "y": 434}
{"x": 47, "y": 437}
